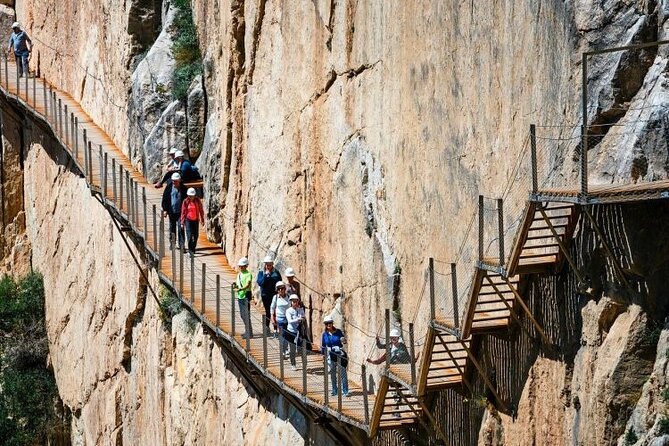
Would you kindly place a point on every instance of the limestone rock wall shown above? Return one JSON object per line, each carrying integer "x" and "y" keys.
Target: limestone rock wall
{"x": 122, "y": 374}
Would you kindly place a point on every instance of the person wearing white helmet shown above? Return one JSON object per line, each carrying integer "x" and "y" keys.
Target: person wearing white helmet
{"x": 172, "y": 166}
{"x": 173, "y": 197}
{"x": 188, "y": 171}
{"x": 398, "y": 350}
{"x": 243, "y": 284}
{"x": 192, "y": 215}
{"x": 277, "y": 308}
{"x": 292, "y": 285}
{"x": 332, "y": 346}
{"x": 20, "y": 43}
{"x": 266, "y": 280}
{"x": 295, "y": 318}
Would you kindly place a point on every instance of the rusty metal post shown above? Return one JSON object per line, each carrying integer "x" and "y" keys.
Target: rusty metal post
{"x": 326, "y": 372}
{"x": 265, "y": 333}
{"x": 454, "y": 290}
{"x": 500, "y": 222}
{"x": 232, "y": 311}
{"x": 430, "y": 274}
{"x": 218, "y": 299}
{"x": 203, "y": 295}
{"x": 412, "y": 352}
{"x": 365, "y": 398}
{"x": 387, "y": 337}
{"x": 481, "y": 217}
{"x": 533, "y": 154}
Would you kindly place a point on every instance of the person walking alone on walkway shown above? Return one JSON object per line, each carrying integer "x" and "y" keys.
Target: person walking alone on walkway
{"x": 243, "y": 284}
{"x": 267, "y": 279}
{"x": 332, "y": 345}
{"x": 21, "y": 44}
{"x": 192, "y": 214}
{"x": 295, "y": 318}
{"x": 173, "y": 197}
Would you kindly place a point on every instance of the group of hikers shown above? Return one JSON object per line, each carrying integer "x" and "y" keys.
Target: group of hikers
{"x": 285, "y": 314}
{"x": 180, "y": 204}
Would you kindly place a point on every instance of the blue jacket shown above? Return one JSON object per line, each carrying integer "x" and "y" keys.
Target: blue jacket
{"x": 331, "y": 340}
{"x": 188, "y": 172}
{"x": 267, "y": 284}
{"x": 19, "y": 43}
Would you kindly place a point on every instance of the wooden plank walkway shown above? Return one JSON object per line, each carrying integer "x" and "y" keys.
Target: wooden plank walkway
{"x": 203, "y": 282}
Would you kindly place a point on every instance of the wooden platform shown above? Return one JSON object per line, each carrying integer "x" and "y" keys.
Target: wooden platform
{"x": 607, "y": 193}
{"x": 205, "y": 281}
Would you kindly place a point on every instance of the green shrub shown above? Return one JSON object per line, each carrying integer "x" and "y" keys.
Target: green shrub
{"x": 663, "y": 426}
{"x": 186, "y": 50}
{"x": 631, "y": 437}
{"x": 28, "y": 392}
{"x": 170, "y": 306}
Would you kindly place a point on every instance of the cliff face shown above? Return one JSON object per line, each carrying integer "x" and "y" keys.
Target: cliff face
{"x": 350, "y": 138}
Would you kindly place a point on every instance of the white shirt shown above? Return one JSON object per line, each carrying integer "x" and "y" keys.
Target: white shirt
{"x": 294, "y": 317}
{"x": 280, "y": 304}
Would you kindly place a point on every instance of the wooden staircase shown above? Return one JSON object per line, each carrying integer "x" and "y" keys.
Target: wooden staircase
{"x": 491, "y": 302}
{"x": 395, "y": 407}
{"x": 444, "y": 361}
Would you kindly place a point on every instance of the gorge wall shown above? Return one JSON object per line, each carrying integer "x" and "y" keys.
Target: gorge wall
{"x": 350, "y": 138}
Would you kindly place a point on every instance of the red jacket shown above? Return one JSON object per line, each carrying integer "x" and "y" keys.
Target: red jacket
{"x": 199, "y": 211}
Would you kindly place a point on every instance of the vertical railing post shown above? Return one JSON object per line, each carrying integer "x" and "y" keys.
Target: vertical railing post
{"x": 365, "y": 398}
{"x": 155, "y": 228}
{"x": 85, "y": 155}
{"x": 105, "y": 175}
{"x": 218, "y": 300}
{"x": 76, "y": 142}
{"x": 181, "y": 272}
{"x": 192, "y": 279}
{"x": 34, "y": 93}
{"x": 303, "y": 349}
{"x": 387, "y": 337}
{"x": 481, "y": 217}
{"x": 203, "y": 295}
{"x": 161, "y": 242}
{"x": 248, "y": 341}
{"x": 102, "y": 169}
{"x": 584, "y": 129}
{"x": 232, "y": 311}
{"x": 136, "y": 204}
{"x": 60, "y": 118}
{"x": 339, "y": 389}
{"x": 412, "y": 352}
{"x": 90, "y": 162}
{"x": 26, "y": 75}
{"x": 18, "y": 81}
{"x": 500, "y": 223}
{"x": 144, "y": 219}
{"x": 326, "y": 373}
{"x": 265, "y": 333}
{"x": 113, "y": 174}
{"x": 73, "y": 135}
{"x": 281, "y": 358}
{"x": 533, "y": 154}
{"x": 430, "y": 275}
{"x": 454, "y": 290}
{"x": 7, "y": 75}
{"x": 46, "y": 102}
{"x": 173, "y": 252}
{"x": 66, "y": 133}
{"x": 127, "y": 194}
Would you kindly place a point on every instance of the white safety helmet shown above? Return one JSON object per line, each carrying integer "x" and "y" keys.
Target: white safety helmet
{"x": 176, "y": 176}
{"x": 395, "y": 333}
{"x": 173, "y": 151}
{"x": 243, "y": 262}
{"x": 179, "y": 154}
{"x": 290, "y": 272}
{"x": 328, "y": 320}
{"x": 16, "y": 25}
{"x": 191, "y": 192}
{"x": 279, "y": 284}
{"x": 268, "y": 259}
{"x": 294, "y": 297}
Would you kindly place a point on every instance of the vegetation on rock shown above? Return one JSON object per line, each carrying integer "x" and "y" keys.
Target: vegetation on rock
{"x": 186, "y": 50}
{"x": 28, "y": 393}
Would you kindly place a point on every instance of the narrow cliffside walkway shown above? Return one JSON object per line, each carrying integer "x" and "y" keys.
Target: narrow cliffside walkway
{"x": 204, "y": 282}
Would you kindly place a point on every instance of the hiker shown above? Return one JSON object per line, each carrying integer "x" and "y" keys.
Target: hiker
{"x": 192, "y": 213}
{"x": 21, "y": 44}
{"x": 172, "y": 166}
{"x": 398, "y": 350}
{"x": 278, "y": 309}
{"x": 266, "y": 280}
{"x": 332, "y": 345}
{"x": 295, "y": 318}
{"x": 173, "y": 196}
{"x": 243, "y": 284}
{"x": 292, "y": 285}
{"x": 188, "y": 171}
